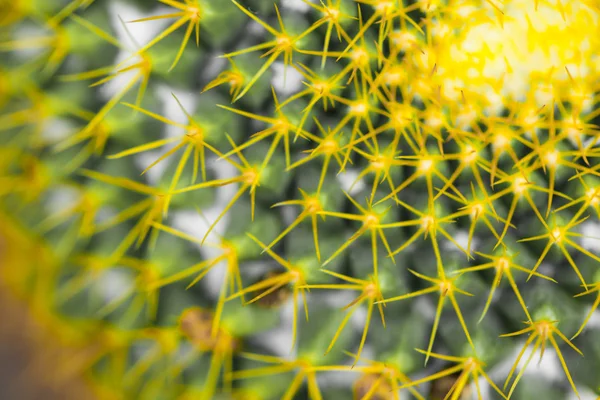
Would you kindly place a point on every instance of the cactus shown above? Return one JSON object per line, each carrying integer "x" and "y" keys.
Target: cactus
{"x": 369, "y": 199}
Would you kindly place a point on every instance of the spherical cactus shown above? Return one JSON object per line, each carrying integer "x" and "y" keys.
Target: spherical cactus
{"x": 335, "y": 199}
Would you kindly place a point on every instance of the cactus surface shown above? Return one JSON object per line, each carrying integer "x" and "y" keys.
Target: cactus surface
{"x": 299, "y": 199}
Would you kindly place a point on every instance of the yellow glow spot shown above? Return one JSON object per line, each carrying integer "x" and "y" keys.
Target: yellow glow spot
{"x": 429, "y": 5}
{"x": 426, "y": 165}
{"x": 283, "y": 42}
{"x": 434, "y": 118}
{"x": 401, "y": 115}
{"x": 388, "y": 371}
{"x": 394, "y": 77}
{"x": 371, "y": 220}
{"x": 593, "y": 195}
{"x": 236, "y": 79}
{"x": 358, "y": 108}
{"x": 427, "y": 222}
{"x": 295, "y": 276}
{"x": 251, "y": 177}
{"x": 556, "y": 235}
{"x": 466, "y": 117}
{"x": 502, "y": 264}
{"x": 402, "y": 40}
{"x": 500, "y": 141}
{"x": 519, "y": 185}
{"x": 195, "y": 13}
{"x": 552, "y": 158}
{"x": 313, "y": 206}
{"x": 476, "y": 211}
{"x": 379, "y": 163}
{"x": 470, "y": 155}
{"x": 195, "y": 132}
{"x": 371, "y": 290}
{"x": 470, "y": 364}
{"x": 332, "y": 14}
{"x": 543, "y": 329}
{"x": 330, "y": 146}
{"x": 360, "y": 57}
{"x": 229, "y": 251}
{"x": 321, "y": 87}
{"x": 282, "y": 124}
{"x": 445, "y": 287}
{"x": 384, "y": 6}
{"x": 531, "y": 119}
{"x": 574, "y": 128}
{"x": 441, "y": 29}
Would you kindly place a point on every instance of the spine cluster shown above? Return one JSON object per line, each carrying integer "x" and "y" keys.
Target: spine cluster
{"x": 432, "y": 164}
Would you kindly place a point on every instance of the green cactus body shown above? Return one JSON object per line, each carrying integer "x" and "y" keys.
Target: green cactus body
{"x": 369, "y": 199}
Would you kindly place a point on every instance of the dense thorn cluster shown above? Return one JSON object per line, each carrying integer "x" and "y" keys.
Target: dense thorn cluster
{"x": 445, "y": 150}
